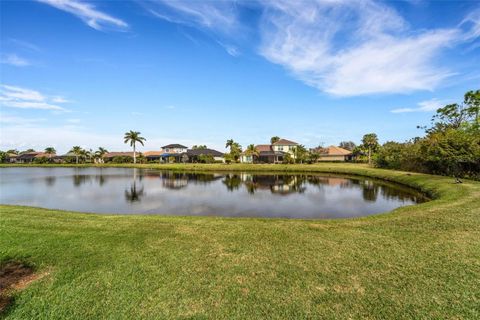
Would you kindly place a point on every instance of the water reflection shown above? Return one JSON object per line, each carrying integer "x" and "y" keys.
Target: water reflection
{"x": 229, "y": 194}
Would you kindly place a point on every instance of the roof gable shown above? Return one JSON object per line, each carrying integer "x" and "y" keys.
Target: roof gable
{"x": 285, "y": 142}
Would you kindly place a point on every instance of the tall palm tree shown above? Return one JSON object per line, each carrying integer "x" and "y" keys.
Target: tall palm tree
{"x": 133, "y": 137}
{"x": 50, "y": 151}
{"x": 77, "y": 151}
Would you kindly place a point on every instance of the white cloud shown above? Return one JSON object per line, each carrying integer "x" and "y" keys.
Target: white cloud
{"x": 14, "y": 60}
{"x": 59, "y": 99}
{"x": 472, "y": 25}
{"x": 220, "y": 16}
{"x": 87, "y": 13}
{"x": 342, "y": 47}
{"x": 22, "y": 98}
{"x": 349, "y": 48}
{"x": 424, "y": 106}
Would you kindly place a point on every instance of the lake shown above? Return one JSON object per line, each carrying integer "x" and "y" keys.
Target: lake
{"x": 241, "y": 194}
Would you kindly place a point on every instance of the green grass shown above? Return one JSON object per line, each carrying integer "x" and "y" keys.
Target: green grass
{"x": 418, "y": 262}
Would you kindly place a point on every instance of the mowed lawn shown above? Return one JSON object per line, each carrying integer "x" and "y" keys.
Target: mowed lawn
{"x": 418, "y": 262}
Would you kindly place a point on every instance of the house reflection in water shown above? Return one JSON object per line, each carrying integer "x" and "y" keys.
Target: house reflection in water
{"x": 278, "y": 184}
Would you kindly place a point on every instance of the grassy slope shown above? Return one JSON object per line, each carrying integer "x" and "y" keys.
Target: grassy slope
{"x": 418, "y": 262}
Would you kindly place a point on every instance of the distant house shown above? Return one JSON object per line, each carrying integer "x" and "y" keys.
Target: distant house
{"x": 194, "y": 154}
{"x": 11, "y": 158}
{"x": 273, "y": 153}
{"x": 153, "y": 155}
{"x": 174, "y": 148}
{"x": 29, "y": 157}
{"x": 182, "y": 154}
{"x": 333, "y": 153}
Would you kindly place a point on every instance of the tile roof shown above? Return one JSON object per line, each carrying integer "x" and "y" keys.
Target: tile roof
{"x": 263, "y": 147}
{"x": 119, "y": 154}
{"x": 174, "y": 145}
{"x": 334, "y": 151}
{"x": 152, "y": 153}
{"x": 285, "y": 142}
{"x": 207, "y": 152}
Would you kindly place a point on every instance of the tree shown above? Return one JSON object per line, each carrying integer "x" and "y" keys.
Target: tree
{"x": 28, "y": 151}
{"x": 235, "y": 149}
{"x": 251, "y": 151}
{"x": 12, "y": 151}
{"x": 100, "y": 153}
{"x": 348, "y": 145}
{"x": 133, "y": 137}
{"x": 199, "y": 147}
{"x": 301, "y": 153}
{"x": 472, "y": 101}
{"x": 370, "y": 142}
{"x": 50, "y": 151}
{"x": 77, "y": 152}
{"x": 274, "y": 139}
{"x": 3, "y": 156}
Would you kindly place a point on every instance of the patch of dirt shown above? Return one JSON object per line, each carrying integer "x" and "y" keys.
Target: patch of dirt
{"x": 14, "y": 276}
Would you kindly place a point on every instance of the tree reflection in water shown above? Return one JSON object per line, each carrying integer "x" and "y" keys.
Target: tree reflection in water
{"x": 133, "y": 194}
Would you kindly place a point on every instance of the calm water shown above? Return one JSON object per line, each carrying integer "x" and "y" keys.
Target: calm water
{"x": 127, "y": 191}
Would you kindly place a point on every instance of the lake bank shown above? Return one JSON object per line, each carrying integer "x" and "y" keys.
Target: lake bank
{"x": 420, "y": 261}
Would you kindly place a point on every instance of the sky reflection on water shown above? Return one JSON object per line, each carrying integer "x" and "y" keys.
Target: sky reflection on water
{"x": 128, "y": 191}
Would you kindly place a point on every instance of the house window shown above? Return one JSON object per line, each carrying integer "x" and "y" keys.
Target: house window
{"x": 280, "y": 148}
{"x": 167, "y": 150}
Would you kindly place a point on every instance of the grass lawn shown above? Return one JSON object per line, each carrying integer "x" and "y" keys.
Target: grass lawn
{"x": 418, "y": 262}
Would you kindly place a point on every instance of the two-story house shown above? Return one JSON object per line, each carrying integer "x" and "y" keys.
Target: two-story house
{"x": 273, "y": 153}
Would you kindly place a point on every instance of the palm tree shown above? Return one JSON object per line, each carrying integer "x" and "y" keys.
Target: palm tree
{"x": 251, "y": 151}
{"x": 77, "y": 151}
{"x": 50, "y": 151}
{"x": 133, "y": 137}
{"x": 229, "y": 143}
{"x": 100, "y": 153}
{"x": 370, "y": 141}
{"x": 87, "y": 154}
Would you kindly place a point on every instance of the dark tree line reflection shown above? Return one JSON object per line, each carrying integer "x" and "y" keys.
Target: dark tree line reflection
{"x": 281, "y": 184}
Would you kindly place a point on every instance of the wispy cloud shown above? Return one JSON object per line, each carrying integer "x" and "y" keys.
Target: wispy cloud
{"x": 342, "y": 47}
{"x": 22, "y": 98}
{"x": 60, "y": 99}
{"x": 349, "y": 48}
{"x": 14, "y": 60}
{"x": 424, "y": 106}
{"x": 24, "y": 44}
{"x": 218, "y": 17}
{"x": 87, "y": 13}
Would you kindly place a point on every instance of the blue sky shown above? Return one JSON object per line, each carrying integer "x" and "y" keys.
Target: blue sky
{"x": 84, "y": 72}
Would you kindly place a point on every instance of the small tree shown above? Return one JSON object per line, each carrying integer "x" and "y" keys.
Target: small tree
{"x": 347, "y": 145}
{"x": 77, "y": 152}
{"x": 274, "y": 139}
{"x": 251, "y": 151}
{"x": 370, "y": 142}
{"x": 50, "y": 151}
